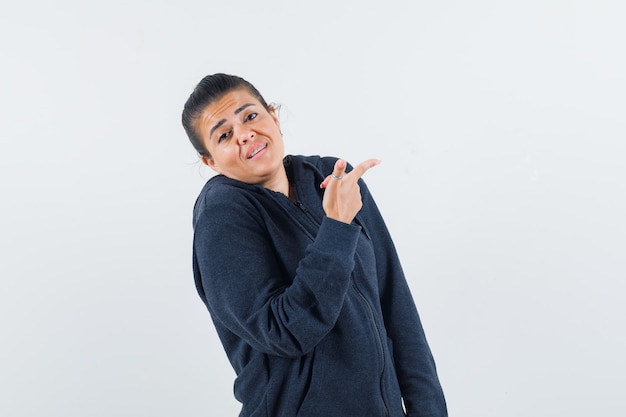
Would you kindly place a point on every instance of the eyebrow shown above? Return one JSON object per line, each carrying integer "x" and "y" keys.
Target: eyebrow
{"x": 221, "y": 122}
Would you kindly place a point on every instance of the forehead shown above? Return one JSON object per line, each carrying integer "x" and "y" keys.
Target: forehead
{"x": 226, "y": 106}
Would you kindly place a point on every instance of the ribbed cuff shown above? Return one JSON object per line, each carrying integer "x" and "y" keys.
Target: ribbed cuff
{"x": 337, "y": 237}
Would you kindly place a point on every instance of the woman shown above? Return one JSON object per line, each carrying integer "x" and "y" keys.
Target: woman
{"x": 299, "y": 273}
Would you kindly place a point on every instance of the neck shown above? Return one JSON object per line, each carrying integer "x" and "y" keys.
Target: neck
{"x": 280, "y": 183}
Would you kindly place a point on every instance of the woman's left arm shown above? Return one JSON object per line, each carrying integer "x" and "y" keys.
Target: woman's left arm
{"x": 415, "y": 366}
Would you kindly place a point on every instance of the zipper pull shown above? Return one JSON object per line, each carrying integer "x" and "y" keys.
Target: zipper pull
{"x": 301, "y": 206}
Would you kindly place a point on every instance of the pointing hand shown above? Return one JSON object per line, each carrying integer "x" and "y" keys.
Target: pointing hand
{"x": 342, "y": 198}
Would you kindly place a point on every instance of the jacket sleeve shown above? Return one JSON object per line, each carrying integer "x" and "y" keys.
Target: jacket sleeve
{"x": 246, "y": 288}
{"x": 415, "y": 366}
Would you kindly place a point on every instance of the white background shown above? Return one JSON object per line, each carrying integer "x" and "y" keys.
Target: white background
{"x": 501, "y": 126}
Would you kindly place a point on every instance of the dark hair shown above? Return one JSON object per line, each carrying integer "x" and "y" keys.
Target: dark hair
{"x": 210, "y": 89}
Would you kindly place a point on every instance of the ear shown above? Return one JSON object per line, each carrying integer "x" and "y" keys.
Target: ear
{"x": 210, "y": 162}
{"x": 274, "y": 114}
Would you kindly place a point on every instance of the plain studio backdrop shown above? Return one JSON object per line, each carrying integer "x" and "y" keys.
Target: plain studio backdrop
{"x": 501, "y": 126}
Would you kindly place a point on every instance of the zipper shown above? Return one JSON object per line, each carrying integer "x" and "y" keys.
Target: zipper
{"x": 317, "y": 224}
{"x": 380, "y": 344}
{"x": 308, "y": 214}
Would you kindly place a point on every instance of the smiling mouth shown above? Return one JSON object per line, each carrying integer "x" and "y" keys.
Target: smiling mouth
{"x": 256, "y": 151}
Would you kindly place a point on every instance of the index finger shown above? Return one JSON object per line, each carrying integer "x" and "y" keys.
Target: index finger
{"x": 362, "y": 168}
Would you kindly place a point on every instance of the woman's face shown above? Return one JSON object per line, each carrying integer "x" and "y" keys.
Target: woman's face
{"x": 243, "y": 139}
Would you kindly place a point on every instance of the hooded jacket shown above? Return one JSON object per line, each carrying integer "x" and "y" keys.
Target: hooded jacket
{"x": 315, "y": 315}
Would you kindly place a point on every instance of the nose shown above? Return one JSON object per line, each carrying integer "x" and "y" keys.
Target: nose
{"x": 243, "y": 134}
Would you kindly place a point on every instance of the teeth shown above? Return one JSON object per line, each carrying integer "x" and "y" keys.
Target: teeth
{"x": 256, "y": 151}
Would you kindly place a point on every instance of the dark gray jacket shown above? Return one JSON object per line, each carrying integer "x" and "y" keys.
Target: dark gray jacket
{"x": 315, "y": 315}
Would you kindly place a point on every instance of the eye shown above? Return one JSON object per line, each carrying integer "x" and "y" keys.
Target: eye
{"x": 223, "y": 137}
{"x": 251, "y": 116}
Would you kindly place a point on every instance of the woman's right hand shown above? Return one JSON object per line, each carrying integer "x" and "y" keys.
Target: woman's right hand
{"x": 342, "y": 198}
